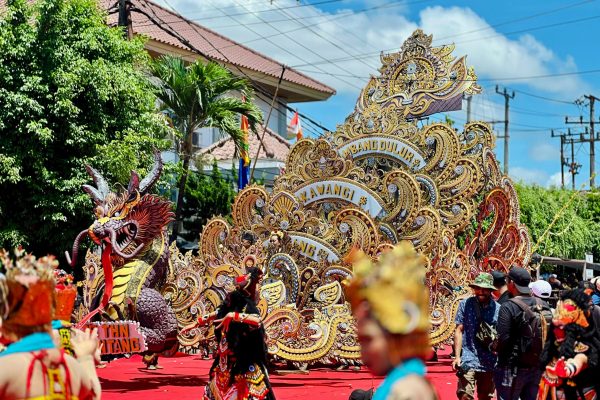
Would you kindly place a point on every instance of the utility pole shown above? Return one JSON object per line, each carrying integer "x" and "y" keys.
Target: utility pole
{"x": 125, "y": 18}
{"x": 569, "y": 138}
{"x": 468, "y": 98}
{"x": 574, "y": 167}
{"x": 592, "y": 138}
{"x": 562, "y": 161}
{"x": 592, "y": 99}
{"x": 507, "y": 99}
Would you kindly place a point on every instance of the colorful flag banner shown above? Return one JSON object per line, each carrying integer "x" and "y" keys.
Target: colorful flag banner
{"x": 295, "y": 128}
{"x": 244, "y": 174}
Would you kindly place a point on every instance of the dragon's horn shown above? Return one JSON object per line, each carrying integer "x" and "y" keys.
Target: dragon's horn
{"x": 93, "y": 193}
{"x": 154, "y": 173}
{"x": 101, "y": 190}
{"x": 134, "y": 183}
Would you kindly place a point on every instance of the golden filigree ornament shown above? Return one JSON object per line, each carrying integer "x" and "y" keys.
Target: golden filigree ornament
{"x": 419, "y": 80}
{"x": 376, "y": 181}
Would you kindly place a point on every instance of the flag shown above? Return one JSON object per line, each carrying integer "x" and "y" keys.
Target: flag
{"x": 295, "y": 128}
{"x": 244, "y": 175}
{"x": 245, "y": 145}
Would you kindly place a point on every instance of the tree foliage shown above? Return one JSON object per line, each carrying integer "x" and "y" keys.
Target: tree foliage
{"x": 206, "y": 196}
{"x": 72, "y": 92}
{"x": 576, "y": 230}
{"x": 200, "y": 95}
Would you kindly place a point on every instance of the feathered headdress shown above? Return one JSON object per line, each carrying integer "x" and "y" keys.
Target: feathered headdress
{"x": 26, "y": 291}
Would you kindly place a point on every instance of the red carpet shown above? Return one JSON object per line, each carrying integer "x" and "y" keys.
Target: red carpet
{"x": 184, "y": 377}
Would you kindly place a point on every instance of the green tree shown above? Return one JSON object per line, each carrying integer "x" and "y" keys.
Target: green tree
{"x": 576, "y": 230}
{"x": 200, "y": 95}
{"x": 72, "y": 92}
{"x": 206, "y": 196}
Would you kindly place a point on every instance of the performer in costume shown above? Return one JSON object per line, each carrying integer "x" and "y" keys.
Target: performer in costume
{"x": 239, "y": 371}
{"x": 390, "y": 302}
{"x": 32, "y": 367}
{"x": 572, "y": 351}
{"x": 66, "y": 294}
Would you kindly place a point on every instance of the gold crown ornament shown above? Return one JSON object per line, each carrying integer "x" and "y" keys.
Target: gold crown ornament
{"x": 26, "y": 291}
{"x": 394, "y": 288}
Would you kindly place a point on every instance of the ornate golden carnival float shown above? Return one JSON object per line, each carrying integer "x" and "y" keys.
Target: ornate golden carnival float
{"x": 382, "y": 177}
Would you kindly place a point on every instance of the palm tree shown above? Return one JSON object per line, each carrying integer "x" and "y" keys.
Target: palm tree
{"x": 200, "y": 95}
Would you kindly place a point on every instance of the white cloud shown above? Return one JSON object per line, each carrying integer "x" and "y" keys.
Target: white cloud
{"x": 544, "y": 151}
{"x": 554, "y": 180}
{"x": 497, "y": 56}
{"x": 535, "y": 176}
{"x": 527, "y": 175}
{"x": 347, "y": 34}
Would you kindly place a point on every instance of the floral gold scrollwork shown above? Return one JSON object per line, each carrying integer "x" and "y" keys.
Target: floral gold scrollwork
{"x": 380, "y": 178}
{"x": 213, "y": 235}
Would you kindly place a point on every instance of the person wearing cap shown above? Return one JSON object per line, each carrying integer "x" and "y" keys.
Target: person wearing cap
{"x": 501, "y": 294}
{"x": 541, "y": 289}
{"x": 518, "y": 371}
{"x": 475, "y": 361}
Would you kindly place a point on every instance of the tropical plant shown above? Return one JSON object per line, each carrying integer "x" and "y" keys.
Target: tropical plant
{"x": 200, "y": 95}
{"x": 71, "y": 93}
{"x": 206, "y": 196}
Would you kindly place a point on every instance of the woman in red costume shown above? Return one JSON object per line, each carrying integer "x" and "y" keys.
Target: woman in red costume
{"x": 32, "y": 367}
{"x": 239, "y": 371}
{"x": 572, "y": 351}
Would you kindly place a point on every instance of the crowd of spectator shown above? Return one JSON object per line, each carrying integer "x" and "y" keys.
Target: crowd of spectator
{"x": 501, "y": 347}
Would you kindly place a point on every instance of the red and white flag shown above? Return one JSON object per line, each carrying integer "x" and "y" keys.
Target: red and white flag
{"x": 295, "y": 128}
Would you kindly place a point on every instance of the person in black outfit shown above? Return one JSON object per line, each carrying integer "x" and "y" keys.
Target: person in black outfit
{"x": 239, "y": 370}
{"x": 572, "y": 353}
{"x": 518, "y": 370}
{"x": 501, "y": 294}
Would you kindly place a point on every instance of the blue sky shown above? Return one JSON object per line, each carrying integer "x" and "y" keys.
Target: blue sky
{"x": 337, "y": 42}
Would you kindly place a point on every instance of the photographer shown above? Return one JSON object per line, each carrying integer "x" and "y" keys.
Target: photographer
{"x": 474, "y": 339}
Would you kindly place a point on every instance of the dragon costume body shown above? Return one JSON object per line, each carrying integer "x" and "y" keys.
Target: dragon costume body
{"x": 125, "y": 282}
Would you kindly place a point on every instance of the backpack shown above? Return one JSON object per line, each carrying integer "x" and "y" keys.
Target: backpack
{"x": 533, "y": 327}
{"x": 486, "y": 334}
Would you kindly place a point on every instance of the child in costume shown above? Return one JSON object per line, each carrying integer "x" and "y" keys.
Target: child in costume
{"x": 66, "y": 294}
{"x": 239, "y": 371}
{"x": 32, "y": 367}
{"x": 572, "y": 351}
{"x": 390, "y": 302}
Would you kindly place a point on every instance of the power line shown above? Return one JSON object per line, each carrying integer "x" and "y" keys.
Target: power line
{"x": 326, "y": 20}
{"x": 259, "y": 87}
{"x": 513, "y": 78}
{"x": 291, "y": 53}
{"x": 545, "y": 98}
{"x": 332, "y": 43}
{"x": 344, "y": 15}
{"x": 532, "y": 16}
{"x": 500, "y": 34}
{"x": 268, "y": 9}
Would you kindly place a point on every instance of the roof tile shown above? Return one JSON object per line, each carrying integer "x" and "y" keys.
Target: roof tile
{"x": 207, "y": 41}
{"x": 275, "y": 147}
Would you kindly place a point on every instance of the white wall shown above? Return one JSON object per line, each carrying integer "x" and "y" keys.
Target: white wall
{"x": 278, "y": 123}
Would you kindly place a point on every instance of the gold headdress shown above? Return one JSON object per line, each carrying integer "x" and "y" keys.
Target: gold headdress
{"x": 66, "y": 293}
{"x": 27, "y": 292}
{"x": 394, "y": 288}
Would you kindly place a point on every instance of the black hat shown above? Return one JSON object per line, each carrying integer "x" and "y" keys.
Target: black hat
{"x": 499, "y": 279}
{"x": 522, "y": 278}
{"x": 360, "y": 394}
